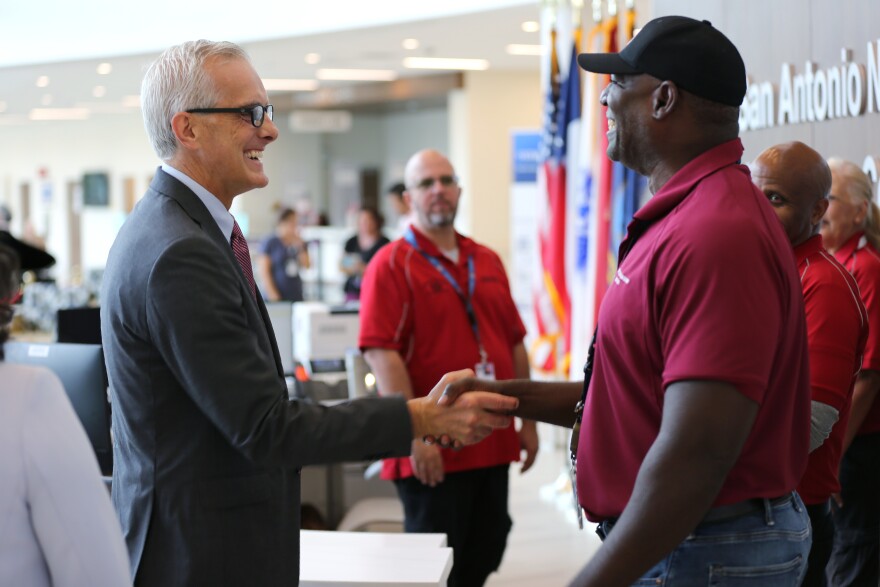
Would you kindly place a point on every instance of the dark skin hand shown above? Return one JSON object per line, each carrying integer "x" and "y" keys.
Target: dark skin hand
{"x": 551, "y": 402}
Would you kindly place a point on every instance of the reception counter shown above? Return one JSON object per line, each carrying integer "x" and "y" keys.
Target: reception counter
{"x": 361, "y": 559}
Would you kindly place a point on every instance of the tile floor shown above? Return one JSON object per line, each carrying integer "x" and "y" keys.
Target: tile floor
{"x": 545, "y": 547}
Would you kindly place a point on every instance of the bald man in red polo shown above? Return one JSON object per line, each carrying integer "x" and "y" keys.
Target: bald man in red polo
{"x": 797, "y": 181}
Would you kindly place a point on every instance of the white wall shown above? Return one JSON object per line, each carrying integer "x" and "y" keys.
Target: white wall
{"x": 116, "y": 144}
{"x": 299, "y": 164}
{"x": 409, "y": 132}
{"x": 474, "y": 131}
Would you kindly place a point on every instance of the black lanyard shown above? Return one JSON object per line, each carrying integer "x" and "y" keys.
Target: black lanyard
{"x": 635, "y": 229}
{"x": 410, "y": 237}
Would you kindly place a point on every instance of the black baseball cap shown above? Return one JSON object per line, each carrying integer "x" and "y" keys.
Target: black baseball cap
{"x": 692, "y": 53}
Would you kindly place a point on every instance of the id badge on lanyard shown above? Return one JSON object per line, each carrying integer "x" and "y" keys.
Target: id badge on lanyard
{"x": 485, "y": 369}
{"x": 291, "y": 265}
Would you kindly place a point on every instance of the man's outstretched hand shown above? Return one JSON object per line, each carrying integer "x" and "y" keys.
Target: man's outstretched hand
{"x": 468, "y": 420}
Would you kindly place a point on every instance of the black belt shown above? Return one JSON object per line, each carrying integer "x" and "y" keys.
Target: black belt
{"x": 741, "y": 508}
{"x": 716, "y": 514}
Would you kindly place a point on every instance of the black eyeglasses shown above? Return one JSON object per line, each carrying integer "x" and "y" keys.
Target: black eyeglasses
{"x": 445, "y": 181}
{"x": 258, "y": 112}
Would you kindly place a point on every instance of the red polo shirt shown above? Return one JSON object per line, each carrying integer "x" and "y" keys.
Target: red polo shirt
{"x": 710, "y": 291}
{"x": 837, "y": 327}
{"x": 408, "y": 306}
{"x": 863, "y": 262}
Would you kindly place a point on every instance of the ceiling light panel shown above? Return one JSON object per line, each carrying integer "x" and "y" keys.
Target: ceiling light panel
{"x": 356, "y": 75}
{"x": 59, "y": 114}
{"x": 290, "y": 85}
{"x": 444, "y": 63}
{"x": 515, "y": 49}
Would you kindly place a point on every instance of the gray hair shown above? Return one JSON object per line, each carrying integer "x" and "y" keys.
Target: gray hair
{"x": 177, "y": 81}
{"x": 859, "y": 189}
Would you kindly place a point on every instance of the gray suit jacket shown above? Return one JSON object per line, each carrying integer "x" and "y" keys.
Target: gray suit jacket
{"x": 207, "y": 446}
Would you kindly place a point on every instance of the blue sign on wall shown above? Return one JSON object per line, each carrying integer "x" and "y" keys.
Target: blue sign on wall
{"x": 525, "y": 151}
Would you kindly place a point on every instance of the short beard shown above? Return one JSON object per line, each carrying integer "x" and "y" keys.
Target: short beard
{"x": 440, "y": 220}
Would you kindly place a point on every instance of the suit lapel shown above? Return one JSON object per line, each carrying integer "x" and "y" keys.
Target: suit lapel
{"x": 273, "y": 342}
{"x": 195, "y": 209}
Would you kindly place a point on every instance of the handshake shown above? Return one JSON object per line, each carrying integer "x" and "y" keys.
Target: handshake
{"x": 457, "y": 419}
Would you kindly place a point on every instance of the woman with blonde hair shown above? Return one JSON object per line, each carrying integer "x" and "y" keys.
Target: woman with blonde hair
{"x": 851, "y": 231}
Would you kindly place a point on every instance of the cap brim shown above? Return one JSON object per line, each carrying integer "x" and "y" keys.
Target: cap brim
{"x": 30, "y": 258}
{"x": 606, "y": 63}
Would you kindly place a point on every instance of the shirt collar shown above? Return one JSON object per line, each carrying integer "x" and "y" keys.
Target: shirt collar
{"x": 683, "y": 181}
{"x": 809, "y": 247}
{"x": 855, "y": 242}
{"x": 465, "y": 245}
{"x": 218, "y": 211}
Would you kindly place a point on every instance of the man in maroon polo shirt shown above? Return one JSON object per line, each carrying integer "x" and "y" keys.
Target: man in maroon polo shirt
{"x": 850, "y": 231}
{"x": 695, "y": 428}
{"x": 797, "y": 181}
{"x": 431, "y": 302}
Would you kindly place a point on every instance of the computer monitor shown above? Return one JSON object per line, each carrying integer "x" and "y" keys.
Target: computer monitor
{"x": 79, "y": 325}
{"x": 281, "y": 317}
{"x": 80, "y": 367}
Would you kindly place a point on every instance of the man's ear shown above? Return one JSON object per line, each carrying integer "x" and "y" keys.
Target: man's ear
{"x": 665, "y": 99}
{"x": 182, "y": 127}
{"x": 819, "y": 211}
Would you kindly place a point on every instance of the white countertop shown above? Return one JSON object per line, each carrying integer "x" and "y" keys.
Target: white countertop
{"x": 369, "y": 559}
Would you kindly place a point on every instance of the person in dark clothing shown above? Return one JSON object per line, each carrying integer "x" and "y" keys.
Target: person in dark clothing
{"x": 360, "y": 248}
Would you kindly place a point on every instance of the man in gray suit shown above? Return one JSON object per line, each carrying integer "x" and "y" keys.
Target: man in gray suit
{"x": 208, "y": 447}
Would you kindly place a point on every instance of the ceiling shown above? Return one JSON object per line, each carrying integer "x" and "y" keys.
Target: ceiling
{"x": 72, "y": 78}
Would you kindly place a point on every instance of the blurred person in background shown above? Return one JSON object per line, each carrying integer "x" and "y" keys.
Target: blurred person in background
{"x": 360, "y": 248}
{"x": 434, "y": 301}
{"x": 400, "y": 205}
{"x": 281, "y": 258}
{"x": 57, "y": 526}
{"x": 797, "y": 181}
{"x": 851, "y": 231}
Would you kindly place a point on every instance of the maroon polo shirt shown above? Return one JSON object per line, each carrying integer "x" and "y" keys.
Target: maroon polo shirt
{"x": 709, "y": 292}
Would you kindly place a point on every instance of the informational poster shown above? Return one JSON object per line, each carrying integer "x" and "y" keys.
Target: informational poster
{"x": 523, "y": 223}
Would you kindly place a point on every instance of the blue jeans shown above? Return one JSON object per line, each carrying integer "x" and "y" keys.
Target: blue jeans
{"x": 766, "y": 548}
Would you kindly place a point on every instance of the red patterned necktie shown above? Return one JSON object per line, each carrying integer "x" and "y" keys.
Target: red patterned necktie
{"x": 240, "y": 249}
